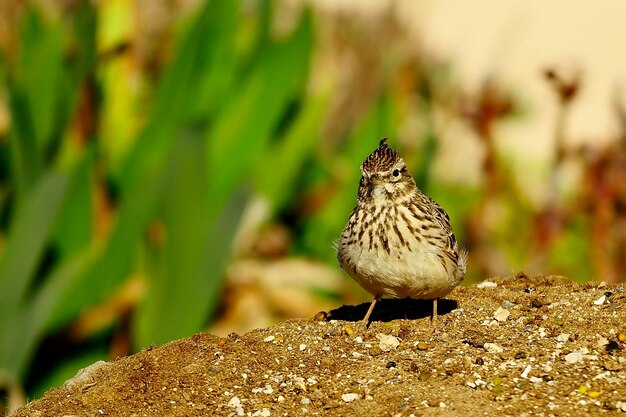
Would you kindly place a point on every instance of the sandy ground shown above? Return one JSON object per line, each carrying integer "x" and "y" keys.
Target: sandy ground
{"x": 520, "y": 346}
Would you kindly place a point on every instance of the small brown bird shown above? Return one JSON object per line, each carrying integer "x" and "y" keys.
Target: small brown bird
{"x": 398, "y": 242}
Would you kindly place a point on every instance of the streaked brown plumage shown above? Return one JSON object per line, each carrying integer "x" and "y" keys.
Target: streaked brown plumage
{"x": 398, "y": 242}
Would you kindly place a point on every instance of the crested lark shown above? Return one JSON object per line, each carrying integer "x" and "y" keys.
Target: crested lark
{"x": 398, "y": 242}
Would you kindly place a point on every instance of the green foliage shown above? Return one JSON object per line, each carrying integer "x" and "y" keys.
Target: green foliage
{"x": 214, "y": 100}
{"x": 252, "y": 112}
{"x": 287, "y": 157}
{"x": 24, "y": 251}
{"x": 186, "y": 272}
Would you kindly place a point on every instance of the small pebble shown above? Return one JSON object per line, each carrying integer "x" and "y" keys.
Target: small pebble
{"x": 593, "y": 394}
{"x": 474, "y": 338}
{"x": 234, "y": 402}
{"x": 422, "y": 346}
{"x": 487, "y": 284}
{"x": 501, "y": 314}
{"x": 600, "y": 300}
{"x": 622, "y": 337}
{"x": 574, "y": 357}
{"x": 493, "y": 348}
{"x": 521, "y": 355}
{"x": 269, "y": 338}
{"x": 479, "y": 361}
{"x": 535, "y": 380}
{"x": 303, "y": 347}
{"x": 526, "y": 371}
{"x": 508, "y": 304}
{"x": 563, "y": 337}
{"x": 391, "y": 364}
{"x": 375, "y": 351}
{"x": 423, "y": 376}
{"x": 349, "y": 397}
{"x": 349, "y": 330}
{"x": 387, "y": 342}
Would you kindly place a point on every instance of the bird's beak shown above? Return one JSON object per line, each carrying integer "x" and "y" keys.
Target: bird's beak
{"x": 375, "y": 181}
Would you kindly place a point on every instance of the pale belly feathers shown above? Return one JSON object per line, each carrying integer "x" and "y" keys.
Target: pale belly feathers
{"x": 422, "y": 272}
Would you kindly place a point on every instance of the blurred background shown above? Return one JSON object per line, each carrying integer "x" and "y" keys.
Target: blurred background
{"x": 176, "y": 166}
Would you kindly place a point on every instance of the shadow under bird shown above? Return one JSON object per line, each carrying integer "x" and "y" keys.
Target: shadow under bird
{"x": 398, "y": 241}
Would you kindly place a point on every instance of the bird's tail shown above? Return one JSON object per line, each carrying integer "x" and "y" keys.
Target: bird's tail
{"x": 463, "y": 254}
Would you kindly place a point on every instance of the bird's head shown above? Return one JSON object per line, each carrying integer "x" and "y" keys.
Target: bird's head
{"x": 384, "y": 175}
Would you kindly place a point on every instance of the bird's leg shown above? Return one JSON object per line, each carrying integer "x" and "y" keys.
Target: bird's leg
{"x": 433, "y": 321}
{"x": 369, "y": 311}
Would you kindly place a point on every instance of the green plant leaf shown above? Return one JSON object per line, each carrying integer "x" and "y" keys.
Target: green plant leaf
{"x": 287, "y": 157}
{"x": 40, "y": 73}
{"x": 217, "y": 60}
{"x": 183, "y": 89}
{"x": 187, "y": 280}
{"x": 73, "y": 229}
{"x": 30, "y": 231}
{"x": 243, "y": 130}
{"x": 25, "y": 160}
{"x": 113, "y": 263}
{"x": 21, "y": 333}
{"x": 43, "y": 86}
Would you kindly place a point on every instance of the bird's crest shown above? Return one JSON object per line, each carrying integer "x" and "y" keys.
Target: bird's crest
{"x": 382, "y": 159}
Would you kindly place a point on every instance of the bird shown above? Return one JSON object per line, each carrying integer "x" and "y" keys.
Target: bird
{"x": 398, "y": 242}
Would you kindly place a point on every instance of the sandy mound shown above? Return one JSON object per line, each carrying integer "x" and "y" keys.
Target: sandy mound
{"x": 520, "y": 346}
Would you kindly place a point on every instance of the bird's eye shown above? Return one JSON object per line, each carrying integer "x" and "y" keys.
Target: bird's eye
{"x": 396, "y": 173}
